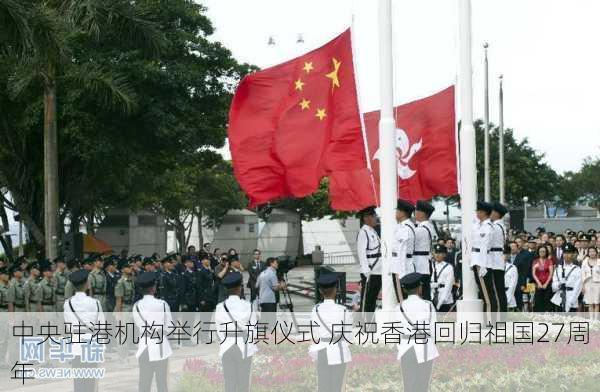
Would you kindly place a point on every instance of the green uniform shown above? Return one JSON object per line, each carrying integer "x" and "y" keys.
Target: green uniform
{"x": 60, "y": 282}
{"x": 33, "y": 294}
{"x": 125, "y": 290}
{"x": 69, "y": 290}
{"x": 97, "y": 284}
{"x": 3, "y": 297}
{"x": 4, "y": 332}
{"x": 16, "y": 294}
{"x": 48, "y": 295}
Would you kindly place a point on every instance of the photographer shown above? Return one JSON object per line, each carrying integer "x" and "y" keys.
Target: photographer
{"x": 220, "y": 271}
{"x": 267, "y": 283}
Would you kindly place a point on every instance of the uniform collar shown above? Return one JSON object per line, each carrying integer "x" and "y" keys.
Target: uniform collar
{"x": 148, "y": 296}
{"x": 328, "y": 301}
{"x": 80, "y": 294}
{"x": 234, "y": 297}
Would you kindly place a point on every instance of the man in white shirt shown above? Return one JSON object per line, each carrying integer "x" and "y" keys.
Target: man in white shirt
{"x": 368, "y": 249}
{"x": 403, "y": 246}
{"x": 480, "y": 258}
{"x": 333, "y": 328}
{"x": 235, "y": 322}
{"x": 497, "y": 242}
{"x": 153, "y": 350}
{"x": 82, "y": 313}
{"x": 267, "y": 284}
{"x": 442, "y": 280}
{"x": 425, "y": 237}
{"x": 417, "y": 349}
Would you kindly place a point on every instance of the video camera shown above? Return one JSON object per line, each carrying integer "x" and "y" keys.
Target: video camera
{"x": 286, "y": 264}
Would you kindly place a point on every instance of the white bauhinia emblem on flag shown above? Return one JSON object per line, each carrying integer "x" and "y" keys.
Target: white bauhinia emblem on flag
{"x": 404, "y": 153}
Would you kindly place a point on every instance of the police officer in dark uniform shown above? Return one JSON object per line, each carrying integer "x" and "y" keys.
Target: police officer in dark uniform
{"x": 206, "y": 294}
{"x": 112, "y": 277}
{"x": 168, "y": 284}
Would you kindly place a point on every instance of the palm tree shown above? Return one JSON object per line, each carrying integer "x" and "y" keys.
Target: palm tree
{"x": 44, "y": 31}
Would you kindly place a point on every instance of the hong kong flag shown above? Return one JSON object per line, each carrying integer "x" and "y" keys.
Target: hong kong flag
{"x": 425, "y": 146}
{"x": 293, "y": 124}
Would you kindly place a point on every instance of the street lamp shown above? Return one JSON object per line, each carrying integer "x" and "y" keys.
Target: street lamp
{"x": 525, "y": 200}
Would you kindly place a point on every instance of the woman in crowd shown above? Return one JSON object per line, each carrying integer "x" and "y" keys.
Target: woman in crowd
{"x": 590, "y": 270}
{"x": 542, "y": 271}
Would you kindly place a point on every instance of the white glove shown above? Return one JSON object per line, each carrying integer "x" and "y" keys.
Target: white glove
{"x": 434, "y": 285}
{"x": 482, "y": 271}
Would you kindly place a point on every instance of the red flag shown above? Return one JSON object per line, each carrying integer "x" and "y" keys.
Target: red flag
{"x": 292, "y": 124}
{"x": 425, "y": 146}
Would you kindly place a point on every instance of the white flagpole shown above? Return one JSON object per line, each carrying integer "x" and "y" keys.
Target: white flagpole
{"x": 486, "y": 134}
{"x": 501, "y": 143}
{"x": 388, "y": 171}
{"x": 468, "y": 172}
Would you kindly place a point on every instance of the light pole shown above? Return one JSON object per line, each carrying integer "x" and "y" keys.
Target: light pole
{"x": 486, "y": 131}
{"x": 525, "y": 200}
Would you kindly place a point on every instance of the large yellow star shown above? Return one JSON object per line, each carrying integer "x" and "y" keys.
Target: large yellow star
{"x": 305, "y": 104}
{"x": 321, "y": 114}
{"x": 299, "y": 84}
{"x": 308, "y": 66}
{"x": 333, "y": 75}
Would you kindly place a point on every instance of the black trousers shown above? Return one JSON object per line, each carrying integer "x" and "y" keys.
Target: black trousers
{"x": 268, "y": 314}
{"x": 541, "y": 299}
{"x": 486, "y": 292}
{"x": 446, "y": 308}
{"x": 330, "y": 378}
{"x": 236, "y": 370}
{"x": 499, "y": 290}
{"x": 152, "y": 369}
{"x": 426, "y": 287}
{"x": 372, "y": 292}
{"x": 206, "y": 313}
{"x": 83, "y": 384}
{"x": 415, "y": 376}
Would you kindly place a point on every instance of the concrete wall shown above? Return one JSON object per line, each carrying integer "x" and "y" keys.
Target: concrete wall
{"x": 561, "y": 224}
{"x": 240, "y": 231}
{"x": 280, "y": 234}
{"x": 140, "y": 232}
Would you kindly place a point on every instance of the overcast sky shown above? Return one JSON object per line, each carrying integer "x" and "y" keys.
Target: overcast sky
{"x": 546, "y": 49}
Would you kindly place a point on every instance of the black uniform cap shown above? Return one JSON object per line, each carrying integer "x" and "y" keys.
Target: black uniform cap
{"x": 109, "y": 261}
{"x": 327, "y": 280}
{"x": 438, "y": 248}
{"x": 484, "y": 206}
{"x": 405, "y": 205}
{"x": 592, "y": 231}
{"x": 367, "y": 211}
{"x": 3, "y": 271}
{"x": 411, "y": 281}
{"x": 12, "y": 269}
{"x": 32, "y": 265}
{"x": 78, "y": 277}
{"x": 499, "y": 208}
{"x": 45, "y": 265}
{"x": 232, "y": 279}
{"x": 122, "y": 264}
{"x": 87, "y": 260}
{"x": 148, "y": 260}
{"x": 569, "y": 248}
{"x": 146, "y": 279}
{"x": 425, "y": 207}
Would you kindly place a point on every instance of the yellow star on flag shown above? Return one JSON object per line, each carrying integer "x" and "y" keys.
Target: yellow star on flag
{"x": 321, "y": 114}
{"x": 333, "y": 75}
{"x": 305, "y": 104}
{"x": 308, "y": 66}
{"x": 299, "y": 84}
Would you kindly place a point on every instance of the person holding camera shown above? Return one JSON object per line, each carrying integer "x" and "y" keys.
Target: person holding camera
{"x": 267, "y": 284}
{"x": 220, "y": 271}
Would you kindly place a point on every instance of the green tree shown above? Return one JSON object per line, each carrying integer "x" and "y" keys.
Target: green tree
{"x": 582, "y": 185}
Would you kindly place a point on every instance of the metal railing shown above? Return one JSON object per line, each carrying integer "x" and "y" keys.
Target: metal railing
{"x": 338, "y": 258}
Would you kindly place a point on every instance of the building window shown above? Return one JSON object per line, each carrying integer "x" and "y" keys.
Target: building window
{"x": 251, "y": 227}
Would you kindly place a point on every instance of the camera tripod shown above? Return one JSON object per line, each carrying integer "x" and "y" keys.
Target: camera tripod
{"x": 288, "y": 304}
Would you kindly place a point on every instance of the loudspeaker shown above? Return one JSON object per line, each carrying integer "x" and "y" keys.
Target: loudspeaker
{"x": 72, "y": 246}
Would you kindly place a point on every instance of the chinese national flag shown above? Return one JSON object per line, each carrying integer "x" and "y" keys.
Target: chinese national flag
{"x": 425, "y": 146}
{"x": 293, "y": 124}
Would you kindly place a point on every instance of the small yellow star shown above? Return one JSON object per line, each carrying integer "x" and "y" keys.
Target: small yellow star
{"x": 305, "y": 104}
{"x": 299, "y": 84}
{"x": 333, "y": 75}
{"x": 321, "y": 114}
{"x": 308, "y": 66}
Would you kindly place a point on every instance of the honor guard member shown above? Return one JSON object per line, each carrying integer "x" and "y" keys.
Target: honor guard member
{"x": 125, "y": 288}
{"x": 4, "y": 330}
{"x": 97, "y": 280}
{"x": 511, "y": 277}
{"x": 332, "y": 322}
{"x": 82, "y": 310}
{"x": 425, "y": 237}
{"x": 60, "y": 278}
{"x": 234, "y": 321}
{"x": 368, "y": 249}
{"x": 168, "y": 284}
{"x": 497, "y": 265}
{"x": 112, "y": 277}
{"x": 566, "y": 282}
{"x": 480, "y": 257}
{"x": 152, "y": 354}
{"x": 33, "y": 297}
{"x": 417, "y": 349}
{"x": 403, "y": 246}
{"x": 442, "y": 279}
{"x": 47, "y": 288}
{"x": 16, "y": 291}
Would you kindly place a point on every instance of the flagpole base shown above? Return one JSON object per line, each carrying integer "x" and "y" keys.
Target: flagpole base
{"x": 469, "y": 311}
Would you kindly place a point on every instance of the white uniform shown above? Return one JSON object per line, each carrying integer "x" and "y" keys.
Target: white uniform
{"x": 511, "y": 276}
{"x": 241, "y": 312}
{"x": 480, "y": 240}
{"x": 425, "y": 235}
{"x": 146, "y": 312}
{"x": 330, "y": 314}
{"x": 497, "y": 240}
{"x": 415, "y": 311}
{"x": 442, "y": 279}
{"x": 403, "y": 248}
{"x": 572, "y": 279}
{"x": 83, "y": 310}
{"x": 368, "y": 248}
